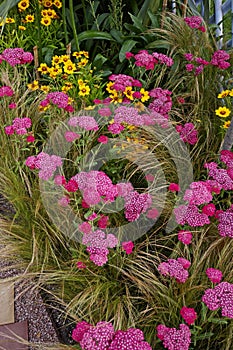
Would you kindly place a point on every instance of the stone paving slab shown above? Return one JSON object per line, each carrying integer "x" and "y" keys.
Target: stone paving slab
{"x": 6, "y": 303}
{"x": 14, "y": 336}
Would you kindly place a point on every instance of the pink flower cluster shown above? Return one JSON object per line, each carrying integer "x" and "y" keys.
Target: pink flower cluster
{"x": 148, "y": 61}
{"x": 104, "y": 337}
{"x": 85, "y": 122}
{"x": 225, "y": 226}
{"x": 58, "y": 98}
{"x": 198, "y": 193}
{"x": 16, "y": 56}
{"x": 94, "y": 186}
{"x": 214, "y": 275}
{"x": 19, "y": 126}
{"x": 188, "y": 314}
{"x": 6, "y": 91}
{"x": 175, "y": 268}
{"x": 162, "y": 102}
{"x": 135, "y": 204}
{"x": 195, "y": 23}
{"x": 185, "y": 236}
{"x": 47, "y": 164}
{"x": 188, "y": 133}
{"x": 223, "y": 177}
{"x": 121, "y": 81}
{"x": 221, "y": 296}
{"x": 174, "y": 339}
{"x": 189, "y": 214}
{"x": 197, "y": 64}
{"x": 97, "y": 243}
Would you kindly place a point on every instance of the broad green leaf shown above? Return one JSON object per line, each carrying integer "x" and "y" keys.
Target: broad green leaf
{"x": 161, "y": 44}
{"x": 137, "y": 23}
{"x": 94, "y": 34}
{"x": 126, "y": 47}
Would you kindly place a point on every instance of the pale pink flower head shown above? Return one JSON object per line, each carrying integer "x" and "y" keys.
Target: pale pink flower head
{"x": 152, "y": 213}
{"x": 85, "y": 227}
{"x": 214, "y": 275}
{"x": 71, "y": 136}
{"x": 128, "y": 247}
{"x": 64, "y": 201}
{"x": 59, "y": 180}
{"x": 188, "y": 314}
{"x": 185, "y": 237}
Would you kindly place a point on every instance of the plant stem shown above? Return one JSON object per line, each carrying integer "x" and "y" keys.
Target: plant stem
{"x": 64, "y": 21}
{"x": 39, "y": 32}
{"x": 71, "y": 7}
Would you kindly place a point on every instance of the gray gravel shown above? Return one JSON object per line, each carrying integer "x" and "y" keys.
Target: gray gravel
{"x": 29, "y": 306}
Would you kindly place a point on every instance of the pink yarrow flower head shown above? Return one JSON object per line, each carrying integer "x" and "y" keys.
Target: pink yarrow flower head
{"x": 174, "y": 187}
{"x": 64, "y": 201}
{"x": 131, "y": 339}
{"x": 175, "y": 268}
{"x": 135, "y": 204}
{"x": 145, "y": 60}
{"x": 71, "y": 136}
{"x": 188, "y": 314}
{"x": 193, "y": 21}
{"x": 80, "y": 265}
{"x": 79, "y": 331}
{"x": 174, "y": 339}
{"x": 189, "y": 134}
{"x": 128, "y": 247}
{"x": 225, "y": 226}
{"x": 47, "y": 164}
{"x": 16, "y": 56}
{"x": 58, "y": 98}
{"x": 185, "y": 236}
{"x": 214, "y": 275}
{"x": 121, "y": 81}
{"x": 221, "y": 296}
{"x": 103, "y": 139}
{"x": 6, "y": 91}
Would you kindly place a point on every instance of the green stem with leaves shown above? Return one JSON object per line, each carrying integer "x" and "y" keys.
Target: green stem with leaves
{"x": 64, "y": 21}
{"x": 39, "y": 44}
{"x": 71, "y": 7}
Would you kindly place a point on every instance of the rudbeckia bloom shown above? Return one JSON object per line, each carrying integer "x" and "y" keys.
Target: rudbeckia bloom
{"x": 29, "y": 18}
{"x": 84, "y": 90}
{"x": 46, "y": 21}
{"x": 23, "y": 5}
{"x": 223, "y": 112}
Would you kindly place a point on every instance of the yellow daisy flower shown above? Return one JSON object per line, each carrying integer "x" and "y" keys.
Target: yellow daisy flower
{"x": 129, "y": 92}
{"x": 22, "y": 28}
{"x": 226, "y": 124}
{"x": 145, "y": 95}
{"x": 33, "y": 86}
{"x": 47, "y": 3}
{"x": 23, "y": 5}
{"x": 56, "y": 60}
{"x": 109, "y": 87}
{"x": 10, "y": 20}
{"x": 224, "y": 93}
{"x": 57, "y": 3}
{"x": 54, "y": 71}
{"x": 83, "y": 62}
{"x": 223, "y": 112}
{"x": 29, "y": 18}
{"x": 69, "y": 67}
{"x": 44, "y": 69}
{"x": 65, "y": 58}
{"x": 46, "y": 21}
{"x": 84, "y": 90}
{"x": 45, "y": 88}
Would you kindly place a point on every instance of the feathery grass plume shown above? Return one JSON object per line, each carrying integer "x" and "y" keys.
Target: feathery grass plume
{"x": 199, "y": 91}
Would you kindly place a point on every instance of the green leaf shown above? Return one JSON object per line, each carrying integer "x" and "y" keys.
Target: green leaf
{"x": 162, "y": 44}
{"x": 204, "y": 336}
{"x": 126, "y": 47}
{"x": 217, "y": 320}
{"x": 94, "y": 34}
{"x": 137, "y": 23}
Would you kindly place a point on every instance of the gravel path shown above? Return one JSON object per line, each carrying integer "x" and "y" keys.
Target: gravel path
{"x": 29, "y": 306}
